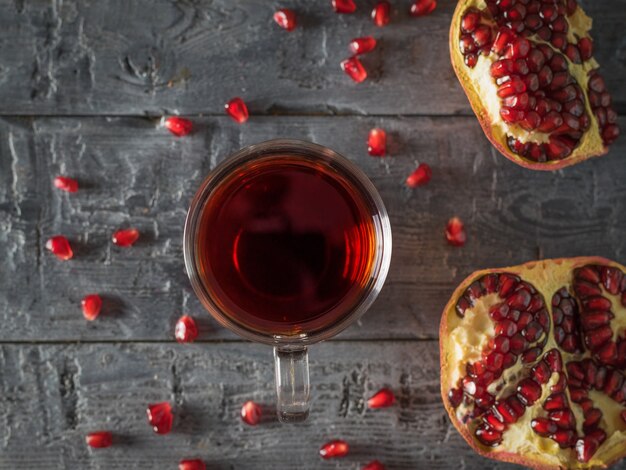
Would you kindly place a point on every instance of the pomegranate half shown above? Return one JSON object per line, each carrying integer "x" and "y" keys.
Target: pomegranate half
{"x": 533, "y": 359}
{"x": 528, "y": 70}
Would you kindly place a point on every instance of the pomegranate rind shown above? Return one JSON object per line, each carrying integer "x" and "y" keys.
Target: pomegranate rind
{"x": 547, "y": 276}
{"x": 591, "y": 144}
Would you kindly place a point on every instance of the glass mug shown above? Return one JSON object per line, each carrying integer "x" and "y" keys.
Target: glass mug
{"x": 287, "y": 243}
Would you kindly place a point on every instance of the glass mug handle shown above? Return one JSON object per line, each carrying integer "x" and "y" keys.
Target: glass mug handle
{"x": 292, "y": 383}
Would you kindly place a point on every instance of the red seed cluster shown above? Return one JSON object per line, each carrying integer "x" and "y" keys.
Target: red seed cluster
{"x": 521, "y": 323}
{"x": 537, "y": 90}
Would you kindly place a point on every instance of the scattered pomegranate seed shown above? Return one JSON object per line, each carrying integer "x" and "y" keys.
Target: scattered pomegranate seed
{"x": 64, "y": 183}
{"x": 125, "y": 237}
{"x": 423, "y": 7}
{"x": 237, "y": 109}
{"x": 344, "y": 6}
{"x": 91, "y": 305}
{"x": 60, "y": 247}
{"x": 362, "y": 45}
{"x": 374, "y": 465}
{"x": 420, "y": 176}
{"x": 455, "y": 232}
{"x": 336, "y": 448}
{"x": 178, "y": 126}
{"x": 380, "y": 13}
{"x": 382, "y": 399}
{"x": 160, "y": 417}
{"x": 186, "y": 330}
{"x": 251, "y": 413}
{"x": 195, "y": 464}
{"x": 99, "y": 439}
{"x": 377, "y": 142}
{"x": 354, "y": 69}
{"x": 286, "y": 19}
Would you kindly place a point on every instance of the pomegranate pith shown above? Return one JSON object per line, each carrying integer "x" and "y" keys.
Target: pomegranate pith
{"x": 334, "y": 449}
{"x": 563, "y": 387}
{"x": 65, "y": 183}
{"x": 527, "y": 69}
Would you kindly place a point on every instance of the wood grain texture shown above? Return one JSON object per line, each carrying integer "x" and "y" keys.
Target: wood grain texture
{"x": 67, "y": 391}
{"x": 150, "y": 56}
{"x": 132, "y": 173}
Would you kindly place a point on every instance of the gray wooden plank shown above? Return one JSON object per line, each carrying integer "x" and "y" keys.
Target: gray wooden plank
{"x": 146, "y": 56}
{"x": 51, "y": 396}
{"x": 135, "y": 174}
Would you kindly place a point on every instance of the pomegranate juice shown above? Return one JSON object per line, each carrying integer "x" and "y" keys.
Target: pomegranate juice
{"x": 286, "y": 245}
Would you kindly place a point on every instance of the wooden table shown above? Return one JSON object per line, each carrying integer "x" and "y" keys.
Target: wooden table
{"x": 82, "y": 86}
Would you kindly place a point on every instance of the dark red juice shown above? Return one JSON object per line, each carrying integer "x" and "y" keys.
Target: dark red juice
{"x": 286, "y": 245}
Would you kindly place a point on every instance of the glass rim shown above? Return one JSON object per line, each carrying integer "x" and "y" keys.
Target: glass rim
{"x": 382, "y": 229}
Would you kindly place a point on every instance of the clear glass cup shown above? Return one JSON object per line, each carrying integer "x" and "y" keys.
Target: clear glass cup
{"x": 290, "y": 351}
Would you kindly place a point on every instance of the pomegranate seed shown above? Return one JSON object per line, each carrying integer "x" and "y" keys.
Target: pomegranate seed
{"x": 455, "y": 395}
{"x": 488, "y": 436}
{"x": 555, "y": 402}
{"x": 362, "y": 45}
{"x": 423, "y": 7}
{"x": 596, "y": 338}
{"x": 564, "y": 438}
{"x": 420, "y": 176}
{"x": 60, "y": 247}
{"x": 195, "y": 464}
{"x": 612, "y": 280}
{"x": 186, "y": 330}
{"x": 377, "y": 142}
{"x": 344, "y": 6}
{"x": 503, "y": 38}
{"x": 251, "y": 413}
{"x": 528, "y": 391}
{"x": 99, "y": 439}
{"x": 126, "y": 237}
{"x": 332, "y": 449}
{"x": 237, "y": 110}
{"x": 160, "y": 417}
{"x": 380, "y": 13}
{"x": 91, "y": 305}
{"x": 598, "y": 303}
{"x": 494, "y": 421}
{"x": 470, "y": 21}
{"x": 587, "y": 446}
{"x": 543, "y": 426}
{"x": 505, "y": 328}
{"x": 564, "y": 419}
{"x": 554, "y": 360}
{"x": 519, "y": 300}
{"x": 354, "y": 69}
{"x": 594, "y": 320}
{"x": 65, "y": 183}
{"x": 592, "y": 418}
{"x": 374, "y": 465}
{"x": 286, "y": 19}
{"x": 178, "y": 126}
{"x": 585, "y": 45}
{"x": 382, "y": 399}
{"x": 541, "y": 372}
{"x": 455, "y": 232}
